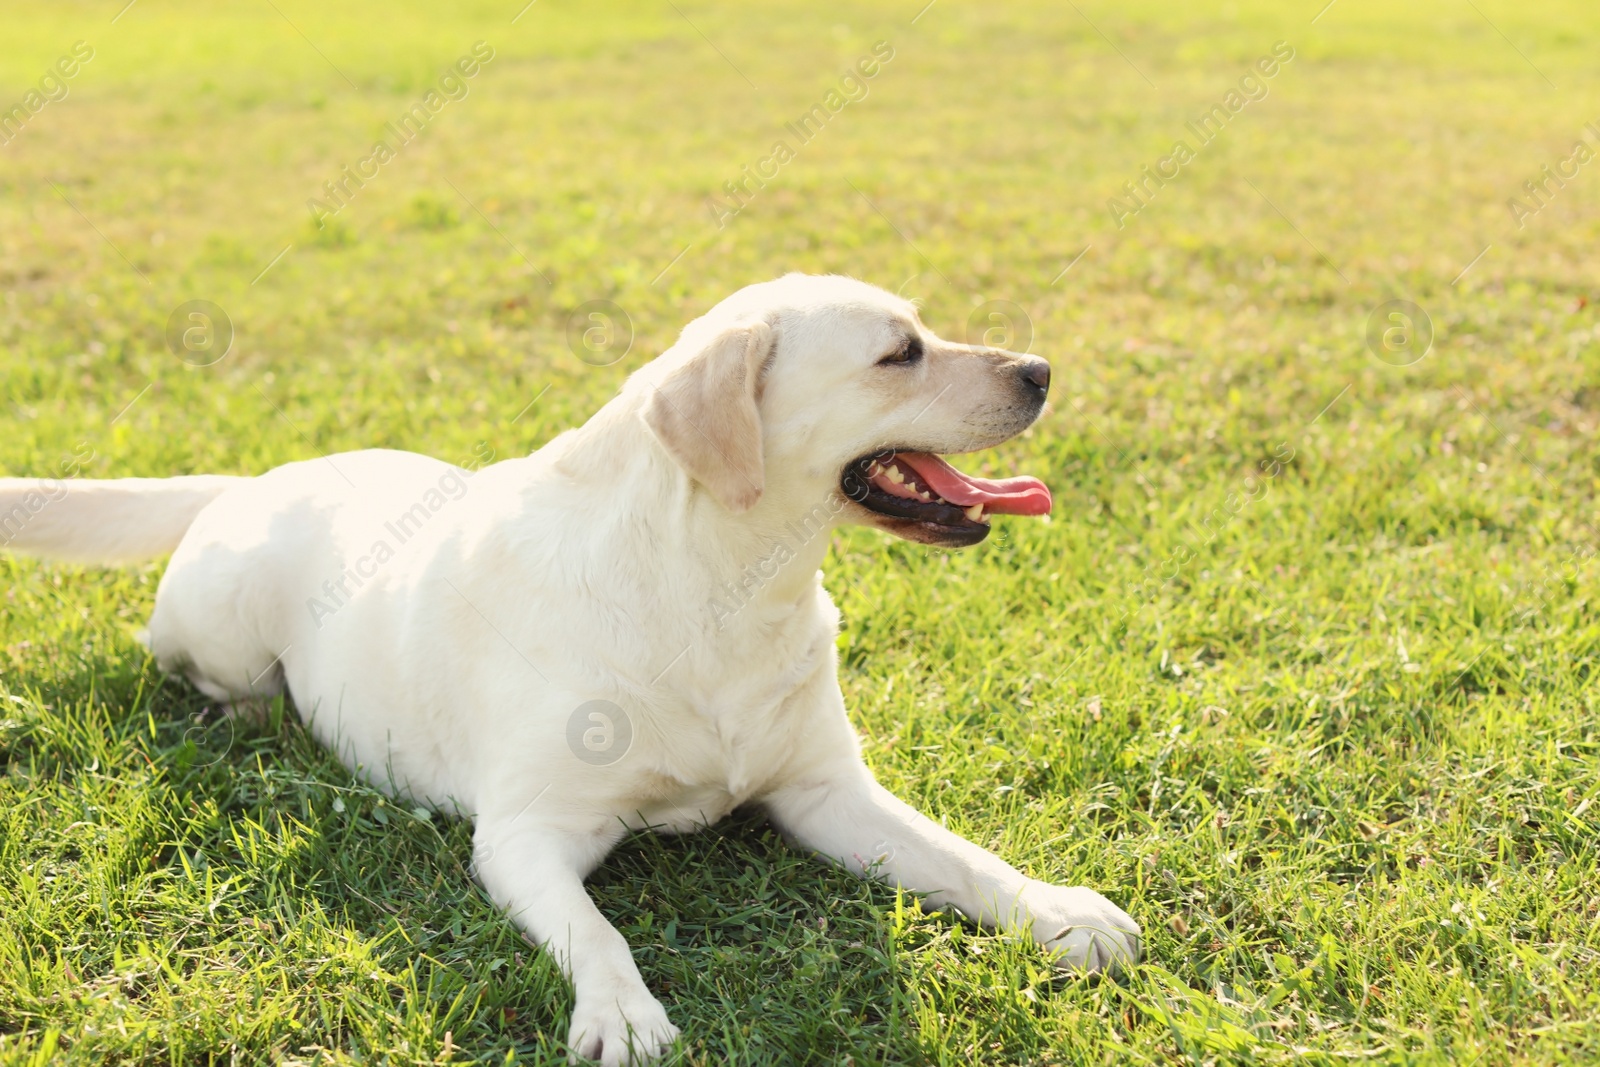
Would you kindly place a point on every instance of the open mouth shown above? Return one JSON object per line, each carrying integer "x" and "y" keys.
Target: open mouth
{"x": 933, "y": 502}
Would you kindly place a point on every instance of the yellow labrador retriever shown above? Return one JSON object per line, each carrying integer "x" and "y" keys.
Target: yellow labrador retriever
{"x": 626, "y": 629}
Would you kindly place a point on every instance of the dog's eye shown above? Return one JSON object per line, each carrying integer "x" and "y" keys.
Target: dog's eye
{"x": 909, "y": 352}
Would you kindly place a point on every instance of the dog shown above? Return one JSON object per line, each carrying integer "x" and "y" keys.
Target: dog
{"x": 624, "y": 630}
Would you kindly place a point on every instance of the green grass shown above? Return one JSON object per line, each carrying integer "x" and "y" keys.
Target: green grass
{"x": 1340, "y": 758}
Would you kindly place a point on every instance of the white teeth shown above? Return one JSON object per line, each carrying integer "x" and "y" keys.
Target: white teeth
{"x": 874, "y": 470}
{"x": 895, "y": 476}
{"x": 975, "y": 513}
{"x": 925, "y": 495}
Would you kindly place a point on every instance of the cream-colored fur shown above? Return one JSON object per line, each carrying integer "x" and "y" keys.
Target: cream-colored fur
{"x": 705, "y": 414}
{"x": 537, "y": 646}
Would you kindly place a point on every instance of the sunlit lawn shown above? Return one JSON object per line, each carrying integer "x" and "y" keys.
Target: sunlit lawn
{"x": 1298, "y": 672}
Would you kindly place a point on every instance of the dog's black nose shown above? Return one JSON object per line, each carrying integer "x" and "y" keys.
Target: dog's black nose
{"x": 1036, "y": 372}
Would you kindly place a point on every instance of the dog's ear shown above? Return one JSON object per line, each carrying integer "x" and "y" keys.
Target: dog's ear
{"x": 704, "y": 413}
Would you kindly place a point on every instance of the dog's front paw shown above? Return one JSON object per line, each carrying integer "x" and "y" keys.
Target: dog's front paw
{"x": 1084, "y": 930}
{"x": 620, "y": 1030}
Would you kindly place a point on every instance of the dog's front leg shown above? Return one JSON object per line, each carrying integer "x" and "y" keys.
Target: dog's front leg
{"x": 845, "y": 816}
{"x": 536, "y": 874}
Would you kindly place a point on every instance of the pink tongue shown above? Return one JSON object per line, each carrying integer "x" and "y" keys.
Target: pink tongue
{"x": 1005, "y": 496}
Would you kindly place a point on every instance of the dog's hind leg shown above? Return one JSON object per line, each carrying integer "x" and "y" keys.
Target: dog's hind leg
{"x": 227, "y": 664}
{"x": 249, "y": 706}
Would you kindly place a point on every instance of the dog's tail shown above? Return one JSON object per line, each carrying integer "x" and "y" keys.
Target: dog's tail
{"x": 121, "y": 520}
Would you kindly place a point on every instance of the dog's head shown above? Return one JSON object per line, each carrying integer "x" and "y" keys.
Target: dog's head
{"x": 792, "y": 391}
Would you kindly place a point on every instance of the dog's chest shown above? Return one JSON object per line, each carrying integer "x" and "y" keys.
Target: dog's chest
{"x": 743, "y": 705}
{"x": 713, "y": 764}
{"x": 726, "y": 752}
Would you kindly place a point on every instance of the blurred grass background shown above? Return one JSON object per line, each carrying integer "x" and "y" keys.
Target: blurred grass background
{"x": 1339, "y": 759}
